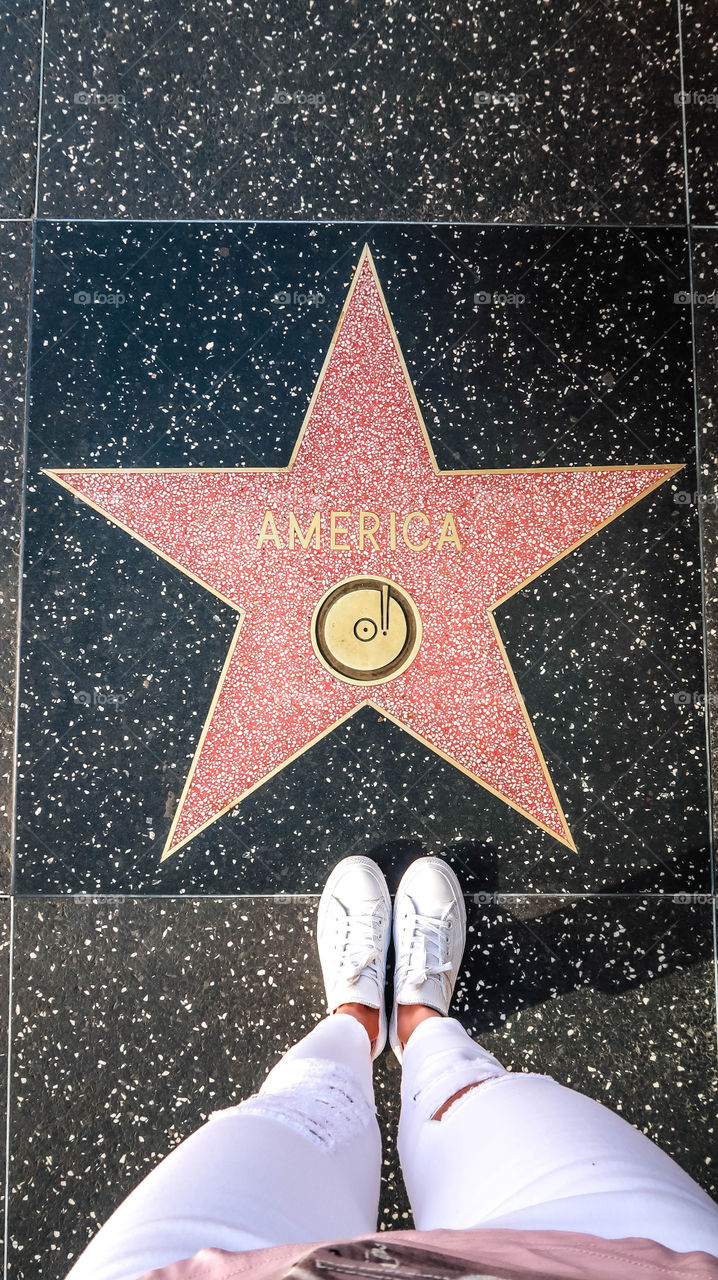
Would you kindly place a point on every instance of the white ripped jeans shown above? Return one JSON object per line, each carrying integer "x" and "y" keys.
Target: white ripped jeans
{"x": 301, "y": 1160}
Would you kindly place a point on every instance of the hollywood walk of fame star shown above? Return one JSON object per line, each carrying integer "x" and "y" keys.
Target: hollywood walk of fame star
{"x": 361, "y": 541}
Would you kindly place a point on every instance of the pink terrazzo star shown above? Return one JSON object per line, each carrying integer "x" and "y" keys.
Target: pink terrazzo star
{"x": 364, "y": 448}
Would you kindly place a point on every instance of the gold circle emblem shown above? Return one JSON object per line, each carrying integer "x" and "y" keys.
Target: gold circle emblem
{"x": 366, "y": 630}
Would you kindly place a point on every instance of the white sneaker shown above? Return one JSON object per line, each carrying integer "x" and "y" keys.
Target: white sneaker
{"x": 353, "y": 929}
{"x": 429, "y": 938}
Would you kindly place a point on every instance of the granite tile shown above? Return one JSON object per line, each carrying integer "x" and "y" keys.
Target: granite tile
{"x": 15, "y": 252}
{"x": 569, "y": 987}
{"x": 531, "y": 113}
{"x": 19, "y": 104}
{"x": 700, "y": 95}
{"x": 202, "y": 350}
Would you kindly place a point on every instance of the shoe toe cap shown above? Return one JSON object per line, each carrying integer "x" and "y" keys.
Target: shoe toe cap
{"x": 431, "y": 886}
{"x": 359, "y": 882}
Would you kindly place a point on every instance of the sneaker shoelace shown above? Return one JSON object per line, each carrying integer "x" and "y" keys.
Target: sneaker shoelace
{"x": 360, "y": 952}
{"x": 428, "y": 948}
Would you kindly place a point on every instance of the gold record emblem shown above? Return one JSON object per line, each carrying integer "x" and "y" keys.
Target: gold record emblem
{"x": 366, "y": 630}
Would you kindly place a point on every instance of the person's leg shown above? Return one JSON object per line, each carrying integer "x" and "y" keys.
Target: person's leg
{"x": 523, "y": 1151}
{"x": 481, "y": 1147}
{"x": 301, "y": 1159}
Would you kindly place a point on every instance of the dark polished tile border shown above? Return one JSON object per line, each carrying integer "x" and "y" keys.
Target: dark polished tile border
{"x": 588, "y": 276}
{"x": 704, "y": 255}
{"x": 15, "y": 267}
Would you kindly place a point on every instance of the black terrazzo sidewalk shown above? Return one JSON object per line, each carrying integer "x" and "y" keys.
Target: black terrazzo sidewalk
{"x": 210, "y": 172}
